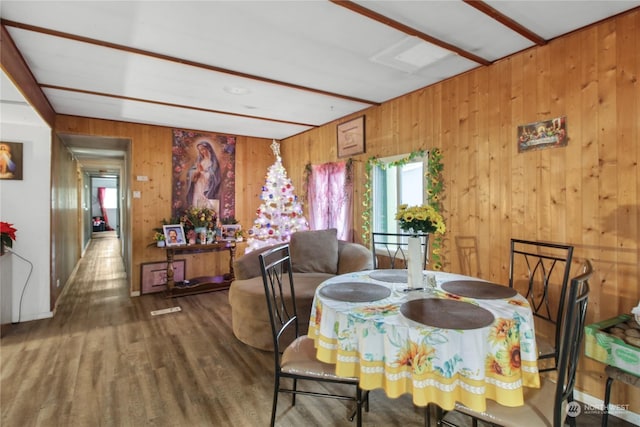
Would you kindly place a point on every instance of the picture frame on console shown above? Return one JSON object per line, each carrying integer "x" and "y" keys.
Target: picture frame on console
{"x": 229, "y": 231}
{"x": 174, "y": 235}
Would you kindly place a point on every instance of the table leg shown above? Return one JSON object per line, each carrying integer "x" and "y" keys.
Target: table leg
{"x": 232, "y": 257}
{"x": 170, "y": 271}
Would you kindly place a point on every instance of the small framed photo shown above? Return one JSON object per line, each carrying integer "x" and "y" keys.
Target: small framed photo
{"x": 174, "y": 235}
{"x": 229, "y": 231}
{"x": 153, "y": 275}
{"x": 351, "y": 137}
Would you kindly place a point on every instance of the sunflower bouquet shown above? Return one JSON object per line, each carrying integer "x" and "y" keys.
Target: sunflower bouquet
{"x": 420, "y": 219}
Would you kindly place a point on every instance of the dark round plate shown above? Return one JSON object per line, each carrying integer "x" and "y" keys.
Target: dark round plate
{"x": 355, "y": 292}
{"x": 478, "y": 289}
{"x": 446, "y": 314}
{"x": 391, "y": 276}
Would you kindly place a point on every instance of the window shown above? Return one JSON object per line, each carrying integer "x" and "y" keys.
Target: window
{"x": 111, "y": 198}
{"x": 394, "y": 183}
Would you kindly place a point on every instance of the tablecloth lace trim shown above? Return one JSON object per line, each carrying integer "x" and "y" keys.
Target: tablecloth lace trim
{"x": 428, "y": 382}
{"x": 356, "y": 359}
{"x": 507, "y": 386}
{"x": 326, "y": 345}
{"x": 530, "y": 369}
{"x": 431, "y": 382}
{"x": 445, "y": 387}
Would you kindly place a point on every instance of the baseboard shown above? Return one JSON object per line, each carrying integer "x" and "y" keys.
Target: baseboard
{"x": 594, "y": 406}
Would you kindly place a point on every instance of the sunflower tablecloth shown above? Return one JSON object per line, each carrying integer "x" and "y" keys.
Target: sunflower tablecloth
{"x": 374, "y": 341}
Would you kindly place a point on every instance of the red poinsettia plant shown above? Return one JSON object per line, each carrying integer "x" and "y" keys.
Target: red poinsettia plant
{"x": 7, "y": 235}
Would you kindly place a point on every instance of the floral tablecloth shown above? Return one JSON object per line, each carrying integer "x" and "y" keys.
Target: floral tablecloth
{"x": 375, "y": 342}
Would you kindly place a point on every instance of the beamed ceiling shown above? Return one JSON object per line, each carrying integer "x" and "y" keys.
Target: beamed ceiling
{"x": 268, "y": 69}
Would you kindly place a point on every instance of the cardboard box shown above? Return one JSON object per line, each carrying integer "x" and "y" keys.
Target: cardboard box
{"x": 609, "y": 349}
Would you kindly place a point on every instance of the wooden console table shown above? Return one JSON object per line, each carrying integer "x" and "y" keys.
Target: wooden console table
{"x": 199, "y": 284}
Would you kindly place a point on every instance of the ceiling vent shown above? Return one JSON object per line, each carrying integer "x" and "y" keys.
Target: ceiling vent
{"x": 410, "y": 55}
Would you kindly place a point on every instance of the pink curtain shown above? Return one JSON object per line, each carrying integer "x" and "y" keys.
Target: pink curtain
{"x": 330, "y": 192}
{"x": 101, "y": 193}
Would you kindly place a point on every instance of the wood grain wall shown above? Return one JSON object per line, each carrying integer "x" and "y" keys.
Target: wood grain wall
{"x": 586, "y": 194}
{"x": 151, "y": 157}
{"x": 66, "y": 245}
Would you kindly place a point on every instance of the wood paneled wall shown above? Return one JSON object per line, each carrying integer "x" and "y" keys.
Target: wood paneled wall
{"x": 151, "y": 157}
{"x": 586, "y": 194}
{"x": 66, "y": 245}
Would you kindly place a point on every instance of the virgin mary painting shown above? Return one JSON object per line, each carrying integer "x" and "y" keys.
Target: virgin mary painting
{"x": 203, "y": 172}
{"x": 204, "y": 179}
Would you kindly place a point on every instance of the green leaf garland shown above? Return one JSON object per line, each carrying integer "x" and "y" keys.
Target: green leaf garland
{"x": 434, "y": 190}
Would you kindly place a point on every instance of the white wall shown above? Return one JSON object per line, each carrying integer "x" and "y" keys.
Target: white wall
{"x": 26, "y": 204}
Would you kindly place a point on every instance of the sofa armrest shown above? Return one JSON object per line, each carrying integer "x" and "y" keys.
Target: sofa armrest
{"x": 353, "y": 257}
{"x": 248, "y": 265}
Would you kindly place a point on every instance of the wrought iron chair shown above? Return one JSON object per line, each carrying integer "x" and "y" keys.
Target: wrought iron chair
{"x": 295, "y": 354}
{"x": 390, "y": 250}
{"x": 550, "y": 404}
{"x": 533, "y": 267}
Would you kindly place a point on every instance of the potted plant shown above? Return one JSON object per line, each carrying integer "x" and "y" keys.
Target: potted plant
{"x": 7, "y": 236}
{"x": 159, "y": 238}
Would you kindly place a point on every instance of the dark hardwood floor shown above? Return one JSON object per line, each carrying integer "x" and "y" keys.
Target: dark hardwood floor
{"x": 104, "y": 360}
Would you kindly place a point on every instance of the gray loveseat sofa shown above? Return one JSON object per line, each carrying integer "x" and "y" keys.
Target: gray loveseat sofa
{"x": 315, "y": 256}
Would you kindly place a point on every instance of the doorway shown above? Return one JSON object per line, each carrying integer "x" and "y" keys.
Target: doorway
{"x": 104, "y": 164}
{"x": 105, "y": 206}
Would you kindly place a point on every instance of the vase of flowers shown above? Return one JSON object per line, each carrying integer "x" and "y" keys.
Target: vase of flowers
{"x": 418, "y": 222}
{"x": 159, "y": 238}
{"x": 199, "y": 220}
{"x": 7, "y": 236}
{"x": 421, "y": 219}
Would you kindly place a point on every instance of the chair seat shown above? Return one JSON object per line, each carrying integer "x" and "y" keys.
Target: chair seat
{"x": 534, "y": 413}
{"x": 299, "y": 358}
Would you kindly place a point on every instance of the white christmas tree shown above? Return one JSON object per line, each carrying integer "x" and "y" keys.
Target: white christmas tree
{"x": 280, "y": 213}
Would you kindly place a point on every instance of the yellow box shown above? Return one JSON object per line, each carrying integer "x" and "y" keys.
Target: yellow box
{"x": 609, "y": 349}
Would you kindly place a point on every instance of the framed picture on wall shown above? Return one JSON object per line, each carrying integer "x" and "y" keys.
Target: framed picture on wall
{"x": 203, "y": 166}
{"x": 540, "y": 135}
{"x": 174, "y": 235}
{"x": 351, "y": 137}
{"x": 153, "y": 275}
{"x": 11, "y": 160}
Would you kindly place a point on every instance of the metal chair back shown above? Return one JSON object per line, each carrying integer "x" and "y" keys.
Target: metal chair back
{"x": 540, "y": 271}
{"x": 572, "y": 334}
{"x": 390, "y": 250}
{"x": 294, "y": 354}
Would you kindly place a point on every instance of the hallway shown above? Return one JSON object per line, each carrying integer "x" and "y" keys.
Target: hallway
{"x": 104, "y": 360}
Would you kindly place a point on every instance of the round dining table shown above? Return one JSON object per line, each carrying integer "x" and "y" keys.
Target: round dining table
{"x": 461, "y": 339}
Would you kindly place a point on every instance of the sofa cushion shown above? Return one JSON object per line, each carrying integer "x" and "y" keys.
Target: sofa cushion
{"x": 315, "y": 251}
